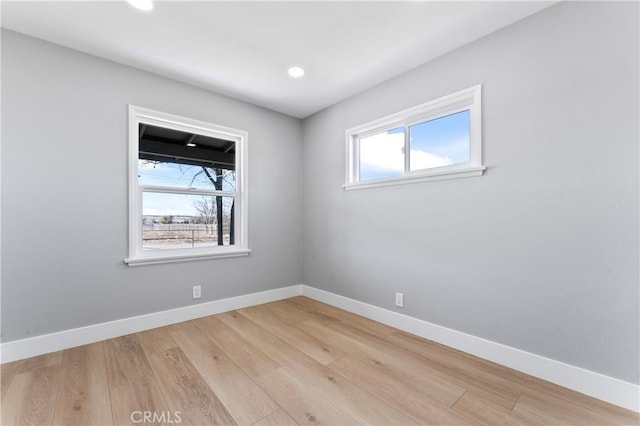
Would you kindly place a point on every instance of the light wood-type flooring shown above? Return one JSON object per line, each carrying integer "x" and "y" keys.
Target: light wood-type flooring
{"x": 295, "y": 361}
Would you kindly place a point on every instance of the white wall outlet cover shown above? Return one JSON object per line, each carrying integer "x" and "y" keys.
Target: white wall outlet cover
{"x": 400, "y": 299}
{"x": 197, "y": 291}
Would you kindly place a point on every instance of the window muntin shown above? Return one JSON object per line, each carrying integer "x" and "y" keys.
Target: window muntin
{"x": 440, "y": 139}
{"x": 187, "y": 190}
{"x": 175, "y": 175}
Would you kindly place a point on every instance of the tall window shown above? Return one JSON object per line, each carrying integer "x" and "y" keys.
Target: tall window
{"x": 187, "y": 197}
{"x": 440, "y": 139}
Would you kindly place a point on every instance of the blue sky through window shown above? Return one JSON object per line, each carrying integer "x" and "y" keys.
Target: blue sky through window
{"x": 440, "y": 142}
{"x": 175, "y": 176}
{"x": 435, "y": 143}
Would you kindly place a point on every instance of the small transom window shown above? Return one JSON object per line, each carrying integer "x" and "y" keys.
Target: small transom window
{"x": 440, "y": 139}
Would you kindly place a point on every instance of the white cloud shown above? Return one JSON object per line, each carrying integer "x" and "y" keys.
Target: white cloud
{"x": 425, "y": 160}
{"x": 384, "y": 153}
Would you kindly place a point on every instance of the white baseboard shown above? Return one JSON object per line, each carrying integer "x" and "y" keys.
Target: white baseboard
{"x": 597, "y": 385}
{"x": 609, "y": 389}
{"x": 38, "y": 345}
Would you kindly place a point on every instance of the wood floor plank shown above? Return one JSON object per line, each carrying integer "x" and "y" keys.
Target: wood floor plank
{"x": 487, "y": 376}
{"x": 322, "y": 352}
{"x": 533, "y": 411}
{"x": 386, "y": 387}
{"x": 7, "y": 371}
{"x": 485, "y": 373}
{"x": 186, "y": 392}
{"x": 157, "y": 340}
{"x": 279, "y": 418}
{"x": 534, "y": 407}
{"x": 354, "y": 320}
{"x": 412, "y": 373}
{"x": 497, "y": 383}
{"x": 483, "y": 411}
{"x": 559, "y": 395}
{"x": 132, "y": 384}
{"x": 293, "y": 313}
{"x": 498, "y": 376}
{"x": 301, "y": 402}
{"x": 46, "y": 360}
{"x": 244, "y": 353}
{"x": 245, "y": 401}
{"x": 505, "y": 396}
{"x": 31, "y": 397}
{"x": 83, "y": 392}
{"x": 354, "y": 401}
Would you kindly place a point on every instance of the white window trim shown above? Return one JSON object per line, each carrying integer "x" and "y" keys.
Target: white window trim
{"x": 138, "y": 256}
{"x": 467, "y": 99}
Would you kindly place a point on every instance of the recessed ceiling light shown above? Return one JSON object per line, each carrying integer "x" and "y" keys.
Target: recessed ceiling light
{"x": 191, "y": 144}
{"x": 295, "y": 72}
{"x": 141, "y": 4}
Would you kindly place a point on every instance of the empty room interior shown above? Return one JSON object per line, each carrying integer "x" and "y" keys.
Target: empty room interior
{"x": 320, "y": 212}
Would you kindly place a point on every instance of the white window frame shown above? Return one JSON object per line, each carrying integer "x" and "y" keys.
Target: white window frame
{"x": 139, "y": 256}
{"x": 468, "y": 99}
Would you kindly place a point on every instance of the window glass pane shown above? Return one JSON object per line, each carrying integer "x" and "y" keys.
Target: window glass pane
{"x": 176, "y": 175}
{"x": 172, "y": 221}
{"x": 440, "y": 142}
{"x": 174, "y": 158}
{"x": 381, "y": 155}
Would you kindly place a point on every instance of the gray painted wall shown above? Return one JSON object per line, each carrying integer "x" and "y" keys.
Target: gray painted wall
{"x": 64, "y": 193}
{"x": 541, "y": 253}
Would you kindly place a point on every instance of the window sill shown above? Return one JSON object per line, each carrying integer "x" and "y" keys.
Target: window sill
{"x": 418, "y": 177}
{"x": 152, "y": 260}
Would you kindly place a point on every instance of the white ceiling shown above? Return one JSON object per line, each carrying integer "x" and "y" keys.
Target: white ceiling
{"x": 243, "y": 49}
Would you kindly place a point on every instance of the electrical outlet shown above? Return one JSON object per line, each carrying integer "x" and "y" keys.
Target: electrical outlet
{"x": 400, "y": 300}
{"x": 197, "y": 292}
